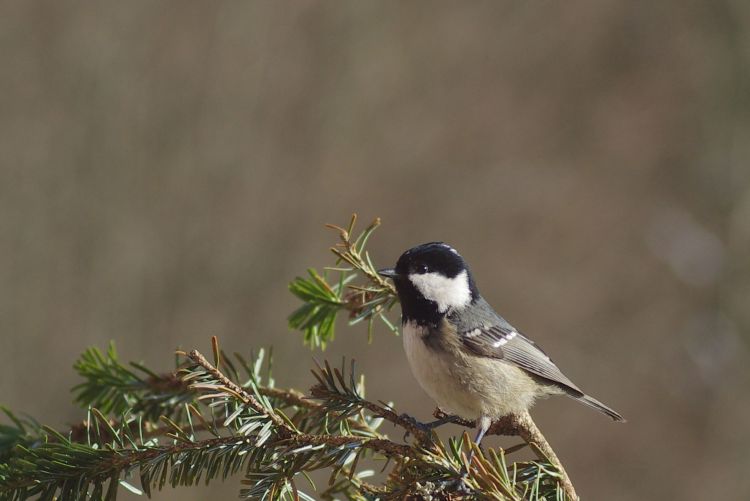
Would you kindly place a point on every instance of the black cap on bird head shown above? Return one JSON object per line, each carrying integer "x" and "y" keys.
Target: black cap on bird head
{"x": 432, "y": 279}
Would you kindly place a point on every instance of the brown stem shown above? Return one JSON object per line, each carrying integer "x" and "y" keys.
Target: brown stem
{"x": 171, "y": 382}
{"x": 383, "y": 446}
{"x": 322, "y": 392}
{"x": 397, "y": 419}
{"x": 531, "y": 434}
{"x": 287, "y": 432}
{"x": 286, "y": 435}
{"x": 284, "y": 429}
{"x": 131, "y": 457}
{"x": 78, "y": 432}
{"x": 521, "y": 425}
{"x": 291, "y": 397}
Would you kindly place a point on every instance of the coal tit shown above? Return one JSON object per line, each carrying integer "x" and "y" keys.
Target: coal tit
{"x": 467, "y": 358}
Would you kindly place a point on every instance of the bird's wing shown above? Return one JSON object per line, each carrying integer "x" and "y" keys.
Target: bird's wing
{"x": 501, "y": 341}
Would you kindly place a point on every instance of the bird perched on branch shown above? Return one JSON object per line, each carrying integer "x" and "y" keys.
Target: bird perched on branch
{"x": 468, "y": 358}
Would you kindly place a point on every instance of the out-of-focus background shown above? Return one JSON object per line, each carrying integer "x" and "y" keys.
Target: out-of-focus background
{"x": 166, "y": 169}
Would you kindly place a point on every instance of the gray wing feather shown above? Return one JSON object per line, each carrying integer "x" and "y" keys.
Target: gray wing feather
{"x": 502, "y": 341}
{"x": 518, "y": 350}
{"x": 485, "y": 333}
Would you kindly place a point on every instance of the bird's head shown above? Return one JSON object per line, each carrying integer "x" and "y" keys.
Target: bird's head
{"x": 431, "y": 280}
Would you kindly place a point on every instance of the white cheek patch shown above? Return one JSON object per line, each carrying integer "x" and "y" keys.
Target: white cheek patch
{"x": 446, "y": 292}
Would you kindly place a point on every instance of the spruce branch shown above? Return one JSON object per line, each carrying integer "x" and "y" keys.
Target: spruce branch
{"x": 522, "y": 425}
{"x": 22, "y": 431}
{"x": 271, "y": 436}
{"x": 211, "y": 418}
{"x": 229, "y": 388}
{"x": 113, "y": 387}
{"x": 285, "y": 428}
{"x": 326, "y": 295}
{"x": 254, "y": 438}
{"x": 347, "y": 399}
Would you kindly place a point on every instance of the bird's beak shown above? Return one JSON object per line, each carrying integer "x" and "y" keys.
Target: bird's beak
{"x": 388, "y": 272}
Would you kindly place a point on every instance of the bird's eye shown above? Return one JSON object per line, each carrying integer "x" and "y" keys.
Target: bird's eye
{"x": 422, "y": 268}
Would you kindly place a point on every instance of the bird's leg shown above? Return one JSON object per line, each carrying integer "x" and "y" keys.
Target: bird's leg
{"x": 483, "y": 424}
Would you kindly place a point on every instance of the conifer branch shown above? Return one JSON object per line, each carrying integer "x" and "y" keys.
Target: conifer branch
{"x": 326, "y": 295}
{"x": 209, "y": 420}
{"x": 113, "y": 387}
{"x": 243, "y": 437}
{"x": 522, "y": 426}
{"x": 234, "y": 433}
{"x": 238, "y": 392}
{"x": 345, "y": 398}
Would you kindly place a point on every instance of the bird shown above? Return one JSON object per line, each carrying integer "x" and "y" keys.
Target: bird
{"x": 470, "y": 360}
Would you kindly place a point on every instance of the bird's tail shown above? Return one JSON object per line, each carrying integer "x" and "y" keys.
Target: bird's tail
{"x": 594, "y": 403}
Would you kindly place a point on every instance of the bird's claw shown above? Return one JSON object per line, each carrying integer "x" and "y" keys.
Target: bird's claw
{"x": 425, "y": 427}
{"x": 414, "y": 423}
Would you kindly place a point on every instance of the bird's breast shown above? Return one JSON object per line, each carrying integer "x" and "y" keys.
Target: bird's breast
{"x": 438, "y": 370}
{"x": 463, "y": 383}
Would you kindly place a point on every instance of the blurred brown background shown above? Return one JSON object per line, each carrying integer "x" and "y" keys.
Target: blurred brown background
{"x": 166, "y": 169}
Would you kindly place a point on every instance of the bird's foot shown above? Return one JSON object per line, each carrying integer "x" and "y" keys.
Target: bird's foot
{"x": 428, "y": 427}
{"x": 414, "y": 424}
{"x": 443, "y": 418}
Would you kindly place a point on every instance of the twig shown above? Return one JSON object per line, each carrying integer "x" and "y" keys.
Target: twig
{"x": 291, "y": 397}
{"x": 128, "y": 458}
{"x": 530, "y": 433}
{"x": 283, "y": 428}
{"x": 348, "y": 250}
{"x": 521, "y": 425}
{"x": 381, "y": 445}
{"x": 328, "y": 377}
{"x": 401, "y": 420}
{"x": 78, "y": 432}
{"x": 293, "y": 436}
